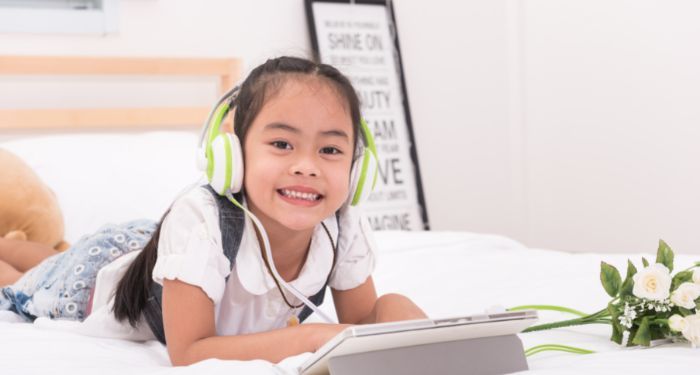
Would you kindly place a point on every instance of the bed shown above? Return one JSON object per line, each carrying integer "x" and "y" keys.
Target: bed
{"x": 446, "y": 273}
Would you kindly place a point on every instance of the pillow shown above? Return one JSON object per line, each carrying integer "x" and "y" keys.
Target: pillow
{"x": 104, "y": 178}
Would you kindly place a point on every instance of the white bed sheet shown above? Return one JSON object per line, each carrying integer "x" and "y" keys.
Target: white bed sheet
{"x": 101, "y": 178}
{"x": 444, "y": 272}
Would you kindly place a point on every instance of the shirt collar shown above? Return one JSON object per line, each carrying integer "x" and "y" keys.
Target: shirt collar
{"x": 256, "y": 279}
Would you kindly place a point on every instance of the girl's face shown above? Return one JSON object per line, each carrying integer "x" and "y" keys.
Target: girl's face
{"x": 298, "y": 154}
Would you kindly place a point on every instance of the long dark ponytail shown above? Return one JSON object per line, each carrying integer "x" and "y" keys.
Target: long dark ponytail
{"x": 132, "y": 290}
{"x": 264, "y": 81}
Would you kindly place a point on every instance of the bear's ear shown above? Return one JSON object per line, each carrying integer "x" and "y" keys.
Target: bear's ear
{"x": 16, "y": 235}
{"x": 62, "y": 246}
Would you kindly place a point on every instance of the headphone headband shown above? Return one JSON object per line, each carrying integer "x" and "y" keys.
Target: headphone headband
{"x": 224, "y": 104}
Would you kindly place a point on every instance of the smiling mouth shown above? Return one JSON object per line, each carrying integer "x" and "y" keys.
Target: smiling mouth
{"x": 311, "y": 197}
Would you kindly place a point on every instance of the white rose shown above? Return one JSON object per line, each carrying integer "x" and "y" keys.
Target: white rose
{"x": 685, "y": 295}
{"x": 696, "y": 276}
{"x": 677, "y": 323}
{"x": 653, "y": 282}
{"x": 692, "y": 329}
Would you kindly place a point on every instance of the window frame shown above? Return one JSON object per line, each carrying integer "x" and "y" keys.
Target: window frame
{"x": 50, "y": 20}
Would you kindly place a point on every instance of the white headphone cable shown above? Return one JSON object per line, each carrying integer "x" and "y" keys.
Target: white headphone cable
{"x": 268, "y": 253}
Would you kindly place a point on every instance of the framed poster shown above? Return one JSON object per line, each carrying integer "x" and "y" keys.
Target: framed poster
{"x": 360, "y": 39}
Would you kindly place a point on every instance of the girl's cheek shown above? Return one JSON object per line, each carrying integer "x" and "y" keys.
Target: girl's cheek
{"x": 342, "y": 183}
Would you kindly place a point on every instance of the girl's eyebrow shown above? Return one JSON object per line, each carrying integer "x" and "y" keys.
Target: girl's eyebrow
{"x": 289, "y": 128}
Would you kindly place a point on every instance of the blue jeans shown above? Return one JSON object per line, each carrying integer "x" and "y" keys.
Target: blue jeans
{"x": 60, "y": 286}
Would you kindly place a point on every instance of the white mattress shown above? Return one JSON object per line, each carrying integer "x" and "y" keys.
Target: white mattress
{"x": 446, "y": 273}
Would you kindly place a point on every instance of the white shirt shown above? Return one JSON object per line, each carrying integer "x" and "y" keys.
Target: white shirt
{"x": 190, "y": 250}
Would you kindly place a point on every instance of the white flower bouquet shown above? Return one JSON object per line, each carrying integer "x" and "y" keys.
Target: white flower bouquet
{"x": 649, "y": 304}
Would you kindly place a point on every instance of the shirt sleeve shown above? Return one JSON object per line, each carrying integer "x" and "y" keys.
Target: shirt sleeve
{"x": 189, "y": 246}
{"x": 356, "y": 248}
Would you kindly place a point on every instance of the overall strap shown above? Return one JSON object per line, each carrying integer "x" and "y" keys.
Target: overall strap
{"x": 231, "y": 223}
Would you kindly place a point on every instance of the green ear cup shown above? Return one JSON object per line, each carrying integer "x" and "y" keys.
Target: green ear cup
{"x": 368, "y": 167}
{"x": 214, "y": 126}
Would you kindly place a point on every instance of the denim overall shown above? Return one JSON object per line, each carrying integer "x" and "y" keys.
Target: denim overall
{"x": 231, "y": 222}
{"x": 60, "y": 286}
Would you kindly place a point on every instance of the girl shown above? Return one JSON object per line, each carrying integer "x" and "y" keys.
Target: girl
{"x": 206, "y": 282}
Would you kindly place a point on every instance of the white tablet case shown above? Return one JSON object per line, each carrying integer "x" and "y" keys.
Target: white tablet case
{"x": 403, "y": 347}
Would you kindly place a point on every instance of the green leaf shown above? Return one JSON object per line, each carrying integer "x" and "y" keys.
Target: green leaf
{"x": 665, "y": 255}
{"x": 617, "y": 332}
{"x": 645, "y": 262}
{"x": 617, "y": 328}
{"x": 680, "y": 278}
{"x": 628, "y": 284}
{"x": 614, "y": 311}
{"x": 684, "y": 312}
{"x": 631, "y": 269}
{"x": 657, "y": 332}
{"x": 632, "y": 336}
{"x": 610, "y": 278}
{"x": 627, "y": 287}
{"x": 643, "y": 336}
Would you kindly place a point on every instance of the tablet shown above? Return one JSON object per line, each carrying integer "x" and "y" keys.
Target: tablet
{"x": 373, "y": 337}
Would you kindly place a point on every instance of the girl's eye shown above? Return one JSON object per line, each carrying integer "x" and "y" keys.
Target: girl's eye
{"x": 281, "y": 145}
{"x": 330, "y": 150}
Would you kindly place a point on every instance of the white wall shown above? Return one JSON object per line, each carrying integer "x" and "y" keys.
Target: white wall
{"x": 456, "y": 61}
{"x": 563, "y": 124}
{"x": 612, "y": 123}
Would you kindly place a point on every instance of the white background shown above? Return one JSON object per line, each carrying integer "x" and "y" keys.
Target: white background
{"x": 564, "y": 124}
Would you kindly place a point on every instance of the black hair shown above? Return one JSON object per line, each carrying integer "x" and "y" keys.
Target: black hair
{"x": 266, "y": 80}
{"x": 261, "y": 84}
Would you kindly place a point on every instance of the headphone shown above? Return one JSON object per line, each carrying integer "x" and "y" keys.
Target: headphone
{"x": 220, "y": 155}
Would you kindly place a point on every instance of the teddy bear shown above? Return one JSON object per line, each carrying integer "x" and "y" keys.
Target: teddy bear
{"x": 29, "y": 210}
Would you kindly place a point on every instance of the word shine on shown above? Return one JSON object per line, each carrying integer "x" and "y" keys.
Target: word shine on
{"x": 355, "y": 41}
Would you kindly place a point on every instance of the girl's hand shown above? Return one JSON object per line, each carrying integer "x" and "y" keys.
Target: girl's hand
{"x": 394, "y": 307}
{"x": 325, "y": 332}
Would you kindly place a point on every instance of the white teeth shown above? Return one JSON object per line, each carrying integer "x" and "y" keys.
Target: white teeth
{"x": 300, "y": 195}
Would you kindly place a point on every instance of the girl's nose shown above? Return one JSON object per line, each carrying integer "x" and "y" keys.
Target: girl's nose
{"x": 305, "y": 167}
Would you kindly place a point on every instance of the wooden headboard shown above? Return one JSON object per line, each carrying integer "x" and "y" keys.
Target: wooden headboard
{"x": 227, "y": 70}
